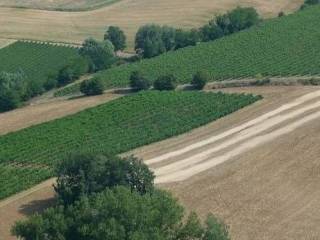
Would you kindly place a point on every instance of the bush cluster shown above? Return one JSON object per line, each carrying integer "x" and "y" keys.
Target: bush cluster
{"x": 152, "y": 40}
{"x": 105, "y": 197}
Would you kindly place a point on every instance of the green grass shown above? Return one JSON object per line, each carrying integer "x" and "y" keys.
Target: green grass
{"x": 115, "y": 127}
{"x": 36, "y": 60}
{"x": 284, "y": 46}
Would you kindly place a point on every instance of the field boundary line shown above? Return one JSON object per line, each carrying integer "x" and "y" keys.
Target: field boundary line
{"x": 27, "y": 192}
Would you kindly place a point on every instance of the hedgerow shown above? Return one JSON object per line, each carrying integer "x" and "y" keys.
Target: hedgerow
{"x": 285, "y": 46}
{"x": 112, "y": 128}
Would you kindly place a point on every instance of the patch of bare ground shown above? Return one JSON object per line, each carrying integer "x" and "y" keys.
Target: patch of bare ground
{"x": 5, "y": 42}
{"x": 74, "y": 27}
{"x": 268, "y": 192}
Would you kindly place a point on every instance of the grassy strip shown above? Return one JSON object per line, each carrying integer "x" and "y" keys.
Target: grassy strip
{"x": 115, "y": 127}
{"x": 286, "y": 46}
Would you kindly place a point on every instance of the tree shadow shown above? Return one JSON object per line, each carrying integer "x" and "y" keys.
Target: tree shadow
{"x": 37, "y": 206}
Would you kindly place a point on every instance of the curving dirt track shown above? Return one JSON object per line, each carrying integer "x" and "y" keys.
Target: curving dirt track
{"x": 256, "y": 169}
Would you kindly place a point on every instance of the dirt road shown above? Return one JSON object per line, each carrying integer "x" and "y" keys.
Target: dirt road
{"x": 259, "y": 168}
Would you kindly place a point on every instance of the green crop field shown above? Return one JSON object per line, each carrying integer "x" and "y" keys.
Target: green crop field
{"x": 28, "y": 156}
{"x": 280, "y": 47}
{"x": 36, "y": 60}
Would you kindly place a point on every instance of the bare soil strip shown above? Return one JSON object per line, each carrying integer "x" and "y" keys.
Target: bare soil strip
{"x": 227, "y": 133}
{"x": 239, "y": 138}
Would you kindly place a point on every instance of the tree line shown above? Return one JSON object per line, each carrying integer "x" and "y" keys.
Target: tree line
{"x": 107, "y": 197}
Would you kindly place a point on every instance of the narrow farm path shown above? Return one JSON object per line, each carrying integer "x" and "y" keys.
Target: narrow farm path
{"x": 263, "y": 128}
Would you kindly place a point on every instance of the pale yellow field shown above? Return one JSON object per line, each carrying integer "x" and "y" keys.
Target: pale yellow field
{"x": 128, "y": 14}
{"x": 57, "y": 4}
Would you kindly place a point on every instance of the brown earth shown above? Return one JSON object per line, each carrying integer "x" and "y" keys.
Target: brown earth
{"x": 74, "y": 27}
{"x": 269, "y": 192}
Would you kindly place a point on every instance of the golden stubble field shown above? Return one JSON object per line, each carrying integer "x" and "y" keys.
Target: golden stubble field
{"x": 74, "y": 27}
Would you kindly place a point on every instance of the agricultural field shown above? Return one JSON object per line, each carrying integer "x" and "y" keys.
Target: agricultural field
{"x": 36, "y": 60}
{"x": 115, "y": 127}
{"x": 74, "y": 27}
{"x": 58, "y": 5}
{"x": 286, "y": 46}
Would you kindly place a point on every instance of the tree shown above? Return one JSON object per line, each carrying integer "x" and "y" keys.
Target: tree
{"x": 117, "y": 37}
{"x": 120, "y": 214}
{"x": 242, "y": 18}
{"x": 72, "y": 71}
{"x": 149, "y": 41}
{"x": 85, "y": 174}
{"x": 186, "y": 38}
{"x": 13, "y": 90}
{"x": 100, "y": 55}
{"x": 200, "y": 79}
{"x": 210, "y": 32}
{"x": 139, "y": 82}
{"x": 168, "y": 37}
{"x": 166, "y": 82}
{"x": 92, "y": 87}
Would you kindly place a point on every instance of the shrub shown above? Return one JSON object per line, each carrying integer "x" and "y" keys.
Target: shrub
{"x": 120, "y": 214}
{"x": 13, "y": 90}
{"x": 117, "y": 37}
{"x": 166, "y": 82}
{"x": 100, "y": 55}
{"x": 281, "y": 14}
{"x": 85, "y": 174}
{"x": 72, "y": 71}
{"x": 200, "y": 79}
{"x": 92, "y": 87}
{"x": 138, "y": 81}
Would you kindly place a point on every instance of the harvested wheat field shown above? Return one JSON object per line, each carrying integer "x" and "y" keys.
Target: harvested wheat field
{"x": 74, "y": 27}
{"x": 61, "y": 5}
{"x": 256, "y": 169}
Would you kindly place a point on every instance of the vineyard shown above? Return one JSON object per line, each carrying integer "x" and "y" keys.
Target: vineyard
{"x": 36, "y": 60}
{"x": 285, "y": 46}
{"x": 28, "y": 156}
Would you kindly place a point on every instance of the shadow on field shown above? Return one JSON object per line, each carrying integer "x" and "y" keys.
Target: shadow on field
{"x": 36, "y": 206}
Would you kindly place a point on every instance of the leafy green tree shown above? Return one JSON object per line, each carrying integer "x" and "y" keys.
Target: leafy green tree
{"x": 117, "y": 37}
{"x": 211, "y": 31}
{"x": 85, "y": 174}
{"x": 149, "y": 41}
{"x": 200, "y": 79}
{"x": 13, "y": 90}
{"x": 168, "y": 37}
{"x": 100, "y": 55}
{"x": 92, "y": 87}
{"x": 242, "y": 18}
{"x": 138, "y": 82}
{"x": 166, "y": 82}
{"x": 120, "y": 214}
{"x": 184, "y": 38}
{"x": 72, "y": 71}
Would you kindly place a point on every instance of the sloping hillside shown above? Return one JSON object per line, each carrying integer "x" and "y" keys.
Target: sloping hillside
{"x": 280, "y": 47}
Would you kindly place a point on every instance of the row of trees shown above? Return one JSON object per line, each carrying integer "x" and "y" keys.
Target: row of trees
{"x": 105, "y": 197}
{"x": 152, "y": 40}
{"x": 139, "y": 82}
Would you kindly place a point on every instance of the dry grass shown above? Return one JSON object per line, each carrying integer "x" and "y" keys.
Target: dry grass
{"x": 128, "y": 14}
{"x": 64, "y": 5}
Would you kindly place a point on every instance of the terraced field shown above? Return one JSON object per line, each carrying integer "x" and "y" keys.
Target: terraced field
{"x": 114, "y": 127}
{"x": 36, "y": 60}
{"x": 280, "y": 47}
